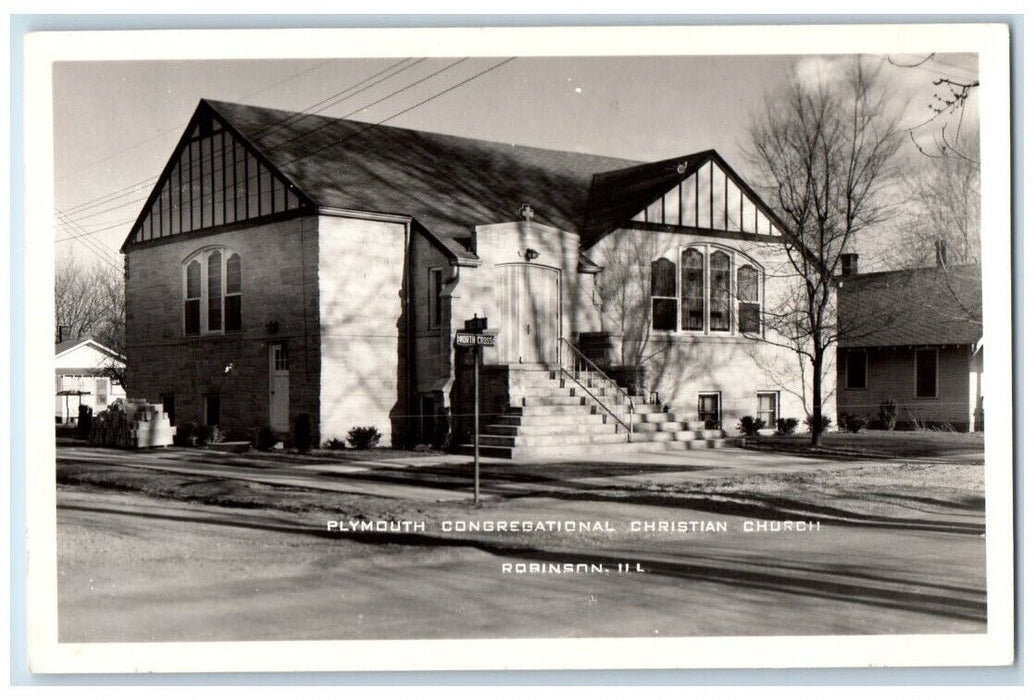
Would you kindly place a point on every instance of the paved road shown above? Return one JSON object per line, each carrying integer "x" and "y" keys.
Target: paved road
{"x": 132, "y": 568}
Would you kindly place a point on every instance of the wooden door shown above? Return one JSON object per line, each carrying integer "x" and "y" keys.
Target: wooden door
{"x": 529, "y": 302}
{"x": 279, "y": 387}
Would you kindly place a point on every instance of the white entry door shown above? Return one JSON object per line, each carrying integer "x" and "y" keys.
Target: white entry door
{"x": 529, "y": 305}
{"x": 279, "y": 387}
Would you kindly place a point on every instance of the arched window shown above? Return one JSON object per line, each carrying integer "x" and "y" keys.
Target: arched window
{"x": 699, "y": 298}
{"x": 663, "y": 295}
{"x": 192, "y": 302}
{"x": 233, "y": 293}
{"x": 721, "y": 284}
{"x": 692, "y": 290}
{"x": 747, "y": 291}
{"x": 212, "y": 281}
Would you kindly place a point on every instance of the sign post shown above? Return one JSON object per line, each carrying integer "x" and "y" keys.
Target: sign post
{"x": 474, "y": 336}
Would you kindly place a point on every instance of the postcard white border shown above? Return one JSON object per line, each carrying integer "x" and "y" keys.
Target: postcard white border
{"x": 993, "y": 648}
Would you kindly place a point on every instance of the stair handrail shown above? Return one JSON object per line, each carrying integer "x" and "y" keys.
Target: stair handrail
{"x": 580, "y": 355}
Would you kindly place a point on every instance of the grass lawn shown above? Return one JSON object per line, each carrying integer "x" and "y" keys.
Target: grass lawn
{"x": 879, "y": 444}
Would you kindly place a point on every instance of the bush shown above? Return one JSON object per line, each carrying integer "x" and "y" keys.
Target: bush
{"x": 363, "y": 438}
{"x": 888, "y": 414}
{"x": 184, "y": 436}
{"x": 203, "y": 433}
{"x": 334, "y": 444}
{"x": 852, "y": 422}
{"x": 786, "y": 426}
{"x": 824, "y": 423}
{"x": 215, "y": 436}
{"x": 85, "y": 423}
{"x": 303, "y": 433}
{"x": 749, "y": 425}
{"x": 265, "y": 439}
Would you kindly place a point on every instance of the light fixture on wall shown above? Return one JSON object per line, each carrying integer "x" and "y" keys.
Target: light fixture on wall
{"x": 530, "y": 254}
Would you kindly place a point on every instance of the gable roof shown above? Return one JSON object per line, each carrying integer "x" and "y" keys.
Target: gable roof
{"x": 68, "y": 345}
{"x": 448, "y": 184}
{"x": 370, "y": 167}
{"x": 927, "y": 306}
{"x": 617, "y": 196}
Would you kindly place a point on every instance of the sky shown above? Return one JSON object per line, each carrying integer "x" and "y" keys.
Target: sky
{"x": 116, "y": 122}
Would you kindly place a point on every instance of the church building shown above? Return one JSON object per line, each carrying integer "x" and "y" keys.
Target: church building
{"x": 292, "y": 267}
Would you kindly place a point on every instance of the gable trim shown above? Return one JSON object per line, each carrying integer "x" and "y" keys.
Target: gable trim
{"x": 204, "y": 108}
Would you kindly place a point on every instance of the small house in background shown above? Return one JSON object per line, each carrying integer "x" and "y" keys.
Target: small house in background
{"x": 916, "y": 337}
{"x": 83, "y": 371}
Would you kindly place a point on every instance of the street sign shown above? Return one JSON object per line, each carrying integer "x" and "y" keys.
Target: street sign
{"x": 471, "y": 339}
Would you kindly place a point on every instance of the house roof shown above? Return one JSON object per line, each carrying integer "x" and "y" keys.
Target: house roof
{"x": 448, "y": 183}
{"x": 67, "y": 345}
{"x": 927, "y": 306}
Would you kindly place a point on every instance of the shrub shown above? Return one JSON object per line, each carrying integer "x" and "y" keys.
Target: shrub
{"x": 749, "y": 425}
{"x": 215, "y": 436}
{"x": 302, "y": 432}
{"x": 786, "y": 426}
{"x": 85, "y": 423}
{"x": 852, "y": 422}
{"x": 203, "y": 434}
{"x": 363, "y": 438}
{"x": 334, "y": 444}
{"x": 888, "y": 414}
{"x": 265, "y": 439}
{"x": 184, "y": 434}
{"x": 824, "y": 423}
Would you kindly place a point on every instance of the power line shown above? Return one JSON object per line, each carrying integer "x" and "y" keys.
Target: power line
{"x": 83, "y": 234}
{"x": 370, "y": 126}
{"x": 172, "y": 130}
{"x": 106, "y": 199}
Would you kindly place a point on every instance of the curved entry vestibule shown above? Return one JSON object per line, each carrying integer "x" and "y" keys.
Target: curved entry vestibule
{"x": 529, "y": 308}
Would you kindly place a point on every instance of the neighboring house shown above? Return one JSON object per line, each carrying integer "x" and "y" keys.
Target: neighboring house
{"x": 83, "y": 371}
{"x": 914, "y": 336}
{"x": 292, "y": 265}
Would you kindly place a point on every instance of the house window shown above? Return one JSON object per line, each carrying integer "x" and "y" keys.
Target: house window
{"x": 213, "y": 283}
{"x": 434, "y": 297}
{"x": 102, "y": 391}
{"x": 662, "y": 295}
{"x": 709, "y": 409}
{"x": 857, "y": 370}
{"x": 768, "y": 407}
{"x": 747, "y": 291}
{"x": 926, "y": 374}
{"x": 706, "y": 279}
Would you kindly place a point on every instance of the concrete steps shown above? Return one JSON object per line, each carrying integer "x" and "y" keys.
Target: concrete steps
{"x": 560, "y": 415}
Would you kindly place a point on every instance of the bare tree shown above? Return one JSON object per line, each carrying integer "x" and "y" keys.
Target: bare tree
{"x": 90, "y": 301}
{"x": 827, "y": 154}
{"x": 943, "y": 207}
{"x": 942, "y": 133}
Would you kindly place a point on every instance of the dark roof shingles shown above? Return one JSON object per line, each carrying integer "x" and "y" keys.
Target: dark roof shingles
{"x": 449, "y": 183}
{"x": 928, "y": 306}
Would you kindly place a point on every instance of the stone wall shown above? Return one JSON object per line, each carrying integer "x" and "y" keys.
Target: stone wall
{"x": 279, "y": 305}
{"x": 681, "y": 365}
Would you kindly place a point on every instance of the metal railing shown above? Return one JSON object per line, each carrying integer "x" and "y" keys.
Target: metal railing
{"x": 579, "y": 362}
